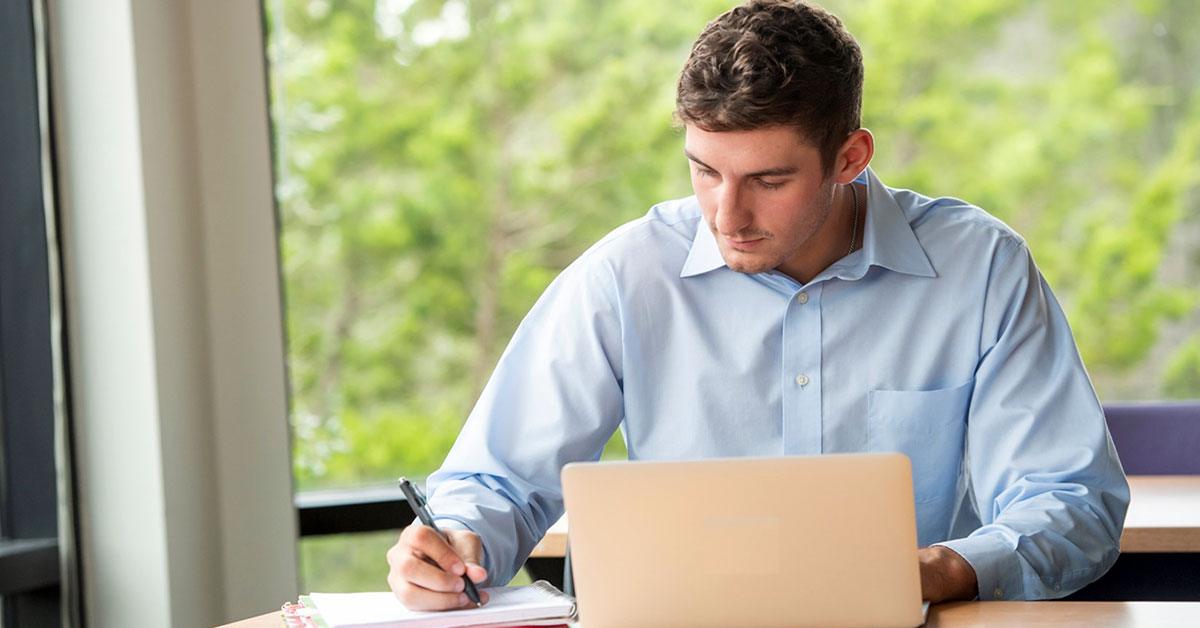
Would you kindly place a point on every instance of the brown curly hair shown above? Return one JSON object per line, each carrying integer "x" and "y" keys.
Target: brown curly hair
{"x": 775, "y": 63}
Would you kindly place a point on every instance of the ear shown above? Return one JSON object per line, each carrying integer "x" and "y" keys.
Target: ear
{"x": 854, "y": 155}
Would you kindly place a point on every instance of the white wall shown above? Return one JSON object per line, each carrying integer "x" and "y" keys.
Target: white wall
{"x": 174, "y": 314}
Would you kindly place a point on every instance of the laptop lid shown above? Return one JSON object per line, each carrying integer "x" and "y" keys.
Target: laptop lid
{"x": 792, "y": 541}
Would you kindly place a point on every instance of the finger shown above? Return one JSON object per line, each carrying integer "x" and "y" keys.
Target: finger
{"x": 416, "y": 598}
{"x": 426, "y": 542}
{"x": 416, "y": 571}
{"x": 476, "y": 573}
{"x": 470, "y": 548}
{"x": 395, "y": 552}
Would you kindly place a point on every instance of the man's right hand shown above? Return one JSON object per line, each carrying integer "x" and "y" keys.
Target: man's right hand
{"x": 422, "y": 586}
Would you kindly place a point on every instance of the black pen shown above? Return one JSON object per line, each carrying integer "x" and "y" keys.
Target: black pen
{"x": 416, "y": 501}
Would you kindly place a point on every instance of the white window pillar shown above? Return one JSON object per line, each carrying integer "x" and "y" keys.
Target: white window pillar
{"x": 174, "y": 313}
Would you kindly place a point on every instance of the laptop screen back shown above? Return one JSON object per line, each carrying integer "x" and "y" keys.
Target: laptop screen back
{"x": 792, "y": 541}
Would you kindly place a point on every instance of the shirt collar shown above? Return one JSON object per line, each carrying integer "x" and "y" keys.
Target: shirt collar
{"x": 704, "y": 255}
{"x": 888, "y": 241}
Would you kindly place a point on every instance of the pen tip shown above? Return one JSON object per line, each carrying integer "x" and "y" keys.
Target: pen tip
{"x": 479, "y": 605}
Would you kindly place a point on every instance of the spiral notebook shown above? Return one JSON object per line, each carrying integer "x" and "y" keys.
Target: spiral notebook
{"x": 537, "y": 604}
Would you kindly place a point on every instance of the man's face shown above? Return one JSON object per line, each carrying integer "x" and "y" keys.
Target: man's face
{"x": 763, "y": 195}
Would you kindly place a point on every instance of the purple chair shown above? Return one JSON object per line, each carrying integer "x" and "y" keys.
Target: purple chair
{"x": 1156, "y": 438}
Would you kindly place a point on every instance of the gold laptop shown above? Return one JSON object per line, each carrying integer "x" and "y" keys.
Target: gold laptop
{"x": 796, "y": 541}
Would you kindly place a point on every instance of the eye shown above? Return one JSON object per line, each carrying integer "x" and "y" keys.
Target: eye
{"x": 769, "y": 185}
{"x": 705, "y": 172}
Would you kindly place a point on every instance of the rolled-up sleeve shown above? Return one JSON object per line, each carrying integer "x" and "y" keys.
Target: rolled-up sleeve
{"x": 554, "y": 397}
{"x": 1043, "y": 474}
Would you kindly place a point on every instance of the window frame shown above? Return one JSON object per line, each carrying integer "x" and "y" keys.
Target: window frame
{"x": 33, "y": 426}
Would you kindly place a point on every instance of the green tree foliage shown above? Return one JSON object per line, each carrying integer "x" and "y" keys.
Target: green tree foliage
{"x": 1182, "y": 379}
{"x": 1045, "y": 117}
{"x": 440, "y": 161}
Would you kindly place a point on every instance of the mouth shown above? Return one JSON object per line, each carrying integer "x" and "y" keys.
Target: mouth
{"x": 744, "y": 245}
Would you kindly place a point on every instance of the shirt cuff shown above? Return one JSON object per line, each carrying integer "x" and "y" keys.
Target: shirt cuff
{"x": 451, "y": 523}
{"x": 997, "y": 567}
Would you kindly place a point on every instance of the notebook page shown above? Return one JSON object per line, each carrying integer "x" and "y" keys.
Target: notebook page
{"x": 383, "y": 610}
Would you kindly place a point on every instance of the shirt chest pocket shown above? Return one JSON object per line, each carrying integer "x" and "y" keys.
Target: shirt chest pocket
{"x": 929, "y": 427}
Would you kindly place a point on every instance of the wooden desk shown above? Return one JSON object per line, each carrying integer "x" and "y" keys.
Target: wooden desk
{"x": 1064, "y": 614}
{"x": 1002, "y": 615}
{"x": 1164, "y": 516}
{"x": 554, "y": 544}
{"x": 269, "y": 620}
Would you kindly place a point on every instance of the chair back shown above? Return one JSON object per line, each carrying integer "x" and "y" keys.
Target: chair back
{"x": 1156, "y": 438}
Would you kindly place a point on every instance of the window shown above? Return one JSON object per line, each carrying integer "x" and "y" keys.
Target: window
{"x": 440, "y": 161}
{"x": 31, "y": 420}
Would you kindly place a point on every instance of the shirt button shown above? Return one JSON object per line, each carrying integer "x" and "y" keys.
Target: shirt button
{"x": 802, "y": 380}
{"x": 802, "y": 298}
{"x": 998, "y": 593}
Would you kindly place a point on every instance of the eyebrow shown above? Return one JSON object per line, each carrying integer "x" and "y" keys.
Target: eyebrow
{"x": 769, "y": 172}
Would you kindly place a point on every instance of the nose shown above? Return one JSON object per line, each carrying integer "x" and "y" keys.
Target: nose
{"x": 732, "y": 215}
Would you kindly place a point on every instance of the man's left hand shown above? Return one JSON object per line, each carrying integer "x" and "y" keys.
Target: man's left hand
{"x": 945, "y": 575}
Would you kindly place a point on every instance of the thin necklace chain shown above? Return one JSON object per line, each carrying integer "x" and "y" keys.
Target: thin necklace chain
{"x": 854, "y": 232}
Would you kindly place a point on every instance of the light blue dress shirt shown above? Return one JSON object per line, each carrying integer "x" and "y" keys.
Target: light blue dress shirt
{"x": 939, "y": 339}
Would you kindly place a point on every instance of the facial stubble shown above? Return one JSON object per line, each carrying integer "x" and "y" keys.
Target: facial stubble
{"x": 751, "y": 266}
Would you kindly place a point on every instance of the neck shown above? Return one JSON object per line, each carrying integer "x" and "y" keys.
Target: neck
{"x": 832, "y": 240}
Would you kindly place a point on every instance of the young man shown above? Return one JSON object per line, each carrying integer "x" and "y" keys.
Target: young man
{"x": 795, "y": 305}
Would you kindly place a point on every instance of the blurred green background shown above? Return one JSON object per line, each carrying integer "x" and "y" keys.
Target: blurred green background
{"x": 440, "y": 161}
